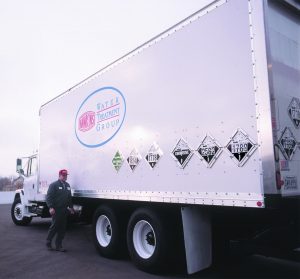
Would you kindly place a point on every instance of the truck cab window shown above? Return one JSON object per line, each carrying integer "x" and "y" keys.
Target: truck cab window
{"x": 26, "y": 168}
{"x": 32, "y": 166}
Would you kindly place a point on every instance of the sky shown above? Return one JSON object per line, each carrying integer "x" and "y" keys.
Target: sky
{"x": 48, "y": 46}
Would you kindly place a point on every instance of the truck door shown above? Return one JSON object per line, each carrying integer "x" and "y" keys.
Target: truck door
{"x": 30, "y": 181}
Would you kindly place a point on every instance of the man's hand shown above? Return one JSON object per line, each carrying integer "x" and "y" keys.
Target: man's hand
{"x": 71, "y": 209}
{"x": 52, "y": 211}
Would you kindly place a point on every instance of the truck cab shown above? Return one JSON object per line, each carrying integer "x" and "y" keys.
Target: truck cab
{"x": 28, "y": 201}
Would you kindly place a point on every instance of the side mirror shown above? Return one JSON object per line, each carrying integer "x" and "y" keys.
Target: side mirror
{"x": 19, "y": 166}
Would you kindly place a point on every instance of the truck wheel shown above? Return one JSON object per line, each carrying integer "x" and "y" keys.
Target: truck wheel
{"x": 17, "y": 214}
{"x": 108, "y": 236}
{"x": 147, "y": 240}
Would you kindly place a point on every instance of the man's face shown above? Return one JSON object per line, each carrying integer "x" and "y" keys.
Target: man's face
{"x": 63, "y": 177}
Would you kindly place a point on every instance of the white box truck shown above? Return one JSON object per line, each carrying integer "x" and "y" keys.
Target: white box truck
{"x": 196, "y": 131}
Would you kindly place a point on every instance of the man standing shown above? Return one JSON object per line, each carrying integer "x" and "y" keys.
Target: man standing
{"x": 59, "y": 202}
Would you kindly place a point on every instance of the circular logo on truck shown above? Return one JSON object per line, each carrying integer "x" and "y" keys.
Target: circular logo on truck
{"x": 100, "y": 117}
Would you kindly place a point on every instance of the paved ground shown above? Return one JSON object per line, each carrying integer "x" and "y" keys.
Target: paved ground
{"x": 23, "y": 255}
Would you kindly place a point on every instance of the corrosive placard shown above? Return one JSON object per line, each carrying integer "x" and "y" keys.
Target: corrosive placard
{"x": 182, "y": 153}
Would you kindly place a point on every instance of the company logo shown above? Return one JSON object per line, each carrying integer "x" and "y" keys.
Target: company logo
{"x": 100, "y": 117}
{"x": 86, "y": 121}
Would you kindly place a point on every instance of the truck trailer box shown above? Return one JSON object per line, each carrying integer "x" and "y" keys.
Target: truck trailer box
{"x": 185, "y": 118}
{"x": 206, "y": 113}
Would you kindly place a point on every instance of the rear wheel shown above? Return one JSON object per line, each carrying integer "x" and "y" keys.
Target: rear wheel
{"x": 148, "y": 240}
{"x": 144, "y": 239}
{"x": 17, "y": 214}
{"x": 108, "y": 232}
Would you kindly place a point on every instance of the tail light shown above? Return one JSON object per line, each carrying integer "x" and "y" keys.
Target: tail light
{"x": 279, "y": 181}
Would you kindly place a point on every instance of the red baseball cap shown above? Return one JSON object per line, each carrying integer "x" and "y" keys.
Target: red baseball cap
{"x": 63, "y": 172}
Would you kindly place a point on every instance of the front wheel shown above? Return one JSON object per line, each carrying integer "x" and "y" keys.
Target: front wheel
{"x": 148, "y": 240}
{"x": 17, "y": 214}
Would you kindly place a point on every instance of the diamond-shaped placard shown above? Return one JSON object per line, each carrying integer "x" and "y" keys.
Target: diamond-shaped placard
{"x": 134, "y": 159}
{"x": 182, "y": 153}
{"x": 287, "y": 143}
{"x": 209, "y": 150}
{"x": 153, "y": 155}
{"x": 118, "y": 160}
{"x": 241, "y": 147}
{"x": 294, "y": 111}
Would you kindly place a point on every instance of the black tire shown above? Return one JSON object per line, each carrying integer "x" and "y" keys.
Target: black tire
{"x": 154, "y": 253}
{"x": 109, "y": 232}
{"x": 17, "y": 215}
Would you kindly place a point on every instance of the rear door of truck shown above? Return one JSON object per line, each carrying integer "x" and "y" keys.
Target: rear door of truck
{"x": 283, "y": 40}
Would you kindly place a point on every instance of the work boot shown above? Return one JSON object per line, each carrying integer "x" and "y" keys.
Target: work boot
{"x": 49, "y": 246}
{"x": 60, "y": 249}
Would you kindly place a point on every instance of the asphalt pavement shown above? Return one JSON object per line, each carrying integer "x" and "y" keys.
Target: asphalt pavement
{"x": 23, "y": 254}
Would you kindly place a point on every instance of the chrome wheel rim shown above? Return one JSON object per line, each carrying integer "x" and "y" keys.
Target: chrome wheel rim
{"x": 18, "y": 211}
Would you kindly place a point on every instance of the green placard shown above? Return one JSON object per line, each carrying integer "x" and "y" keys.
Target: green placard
{"x": 117, "y": 161}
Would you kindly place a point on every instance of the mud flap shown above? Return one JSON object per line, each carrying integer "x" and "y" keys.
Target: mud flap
{"x": 197, "y": 238}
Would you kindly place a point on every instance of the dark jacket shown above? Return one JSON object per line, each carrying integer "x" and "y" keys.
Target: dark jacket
{"x": 58, "y": 195}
